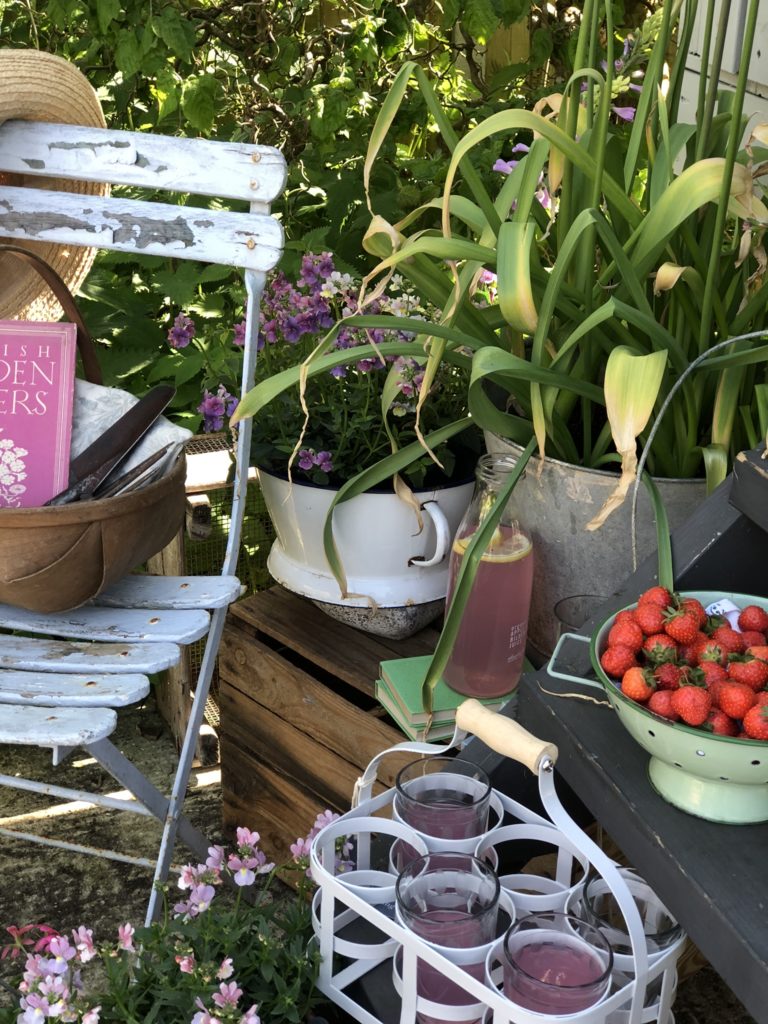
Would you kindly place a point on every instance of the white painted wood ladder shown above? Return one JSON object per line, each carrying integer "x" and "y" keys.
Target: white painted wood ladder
{"x": 61, "y": 682}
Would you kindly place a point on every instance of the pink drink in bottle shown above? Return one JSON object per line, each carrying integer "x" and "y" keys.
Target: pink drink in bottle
{"x": 487, "y": 656}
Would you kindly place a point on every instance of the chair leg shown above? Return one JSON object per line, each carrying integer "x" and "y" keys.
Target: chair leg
{"x": 129, "y": 776}
{"x": 173, "y": 818}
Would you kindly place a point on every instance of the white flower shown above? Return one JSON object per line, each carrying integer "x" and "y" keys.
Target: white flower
{"x": 6, "y": 442}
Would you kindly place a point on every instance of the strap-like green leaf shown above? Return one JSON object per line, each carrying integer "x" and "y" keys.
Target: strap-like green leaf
{"x": 466, "y": 577}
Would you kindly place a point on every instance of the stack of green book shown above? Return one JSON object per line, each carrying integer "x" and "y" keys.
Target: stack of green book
{"x": 398, "y": 690}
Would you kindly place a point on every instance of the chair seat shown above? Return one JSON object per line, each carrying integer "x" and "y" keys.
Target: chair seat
{"x": 92, "y": 623}
{"x": 41, "y": 655}
{"x": 59, "y": 689}
{"x": 55, "y": 727}
{"x": 179, "y": 592}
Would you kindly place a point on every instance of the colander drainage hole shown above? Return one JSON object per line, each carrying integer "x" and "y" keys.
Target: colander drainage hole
{"x": 700, "y": 753}
{"x": 677, "y": 764}
{"x": 724, "y": 778}
{"x": 754, "y": 762}
{"x": 652, "y": 733}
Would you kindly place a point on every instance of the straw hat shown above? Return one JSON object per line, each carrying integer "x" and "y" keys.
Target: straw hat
{"x": 36, "y": 86}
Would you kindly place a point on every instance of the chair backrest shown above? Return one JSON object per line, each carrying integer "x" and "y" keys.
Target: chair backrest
{"x": 251, "y": 239}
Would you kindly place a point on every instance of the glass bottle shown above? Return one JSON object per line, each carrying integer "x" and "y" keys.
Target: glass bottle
{"x": 487, "y": 657}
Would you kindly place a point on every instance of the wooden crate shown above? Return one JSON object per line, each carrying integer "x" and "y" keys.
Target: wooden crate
{"x": 299, "y": 720}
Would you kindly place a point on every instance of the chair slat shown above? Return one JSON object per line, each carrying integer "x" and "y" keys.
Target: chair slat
{"x": 250, "y": 240}
{"x": 144, "y": 591}
{"x": 50, "y": 727}
{"x": 57, "y": 689}
{"x": 228, "y": 169}
{"x": 36, "y": 654}
{"x": 91, "y": 623}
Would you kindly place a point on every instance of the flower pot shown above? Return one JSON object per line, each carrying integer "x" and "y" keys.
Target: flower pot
{"x": 556, "y": 501}
{"x": 397, "y": 574}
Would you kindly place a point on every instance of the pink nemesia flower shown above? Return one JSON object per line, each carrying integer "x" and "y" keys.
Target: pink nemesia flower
{"x": 200, "y": 899}
{"x": 215, "y": 860}
{"x": 92, "y": 1016}
{"x": 242, "y": 874}
{"x": 228, "y": 994}
{"x": 36, "y": 1008}
{"x": 60, "y": 952}
{"x": 226, "y": 969}
{"x": 300, "y": 848}
{"x": 83, "y": 938}
{"x": 188, "y": 876}
{"x": 204, "y": 1017}
{"x": 186, "y": 964}
{"x": 125, "y": 935}
{"x": 250, "y": 1016}
{"x": 247, "y": 838}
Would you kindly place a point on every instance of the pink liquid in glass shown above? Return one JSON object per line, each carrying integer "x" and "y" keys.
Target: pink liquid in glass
{"x": 554, "y": 973}
{"x": 443, "y": 813}
{"x": 487, "y": 657}
{"x": 459, "y": 930}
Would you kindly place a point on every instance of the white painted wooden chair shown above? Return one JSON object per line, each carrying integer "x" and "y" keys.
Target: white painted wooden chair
{"x": 64, "y": 695}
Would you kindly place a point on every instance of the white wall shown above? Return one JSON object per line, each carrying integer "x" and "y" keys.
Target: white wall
{"x": 756, "y": 99}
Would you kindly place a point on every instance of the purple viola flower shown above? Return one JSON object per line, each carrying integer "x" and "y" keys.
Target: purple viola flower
{"x": 324, "y": 461}
{"x": 238, "y": 337}
{"x": 339, "y": 372}
{"x": 625, "y": 113}
{"x": 505, "y": 166}
{"x": 306, "y": 460}
{"x": 292, "y": 329}
{"x": 212, "y": 410}
{"x": 182, "y": 332}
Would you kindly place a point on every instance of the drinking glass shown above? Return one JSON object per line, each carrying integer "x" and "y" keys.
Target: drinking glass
{"x": 555, "y": 963}
{"x": 601, "y": 909}
{"x": 450, "y": 900}
{"x": 441, "y": 798}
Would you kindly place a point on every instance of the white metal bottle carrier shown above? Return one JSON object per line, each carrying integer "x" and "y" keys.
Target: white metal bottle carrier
{"x": 354, "y": 915}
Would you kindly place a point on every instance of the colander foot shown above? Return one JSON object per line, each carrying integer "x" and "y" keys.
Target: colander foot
{"x": 730, "y": 803}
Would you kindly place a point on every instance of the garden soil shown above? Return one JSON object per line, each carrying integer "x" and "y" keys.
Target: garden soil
{"x": 64, "y": 889}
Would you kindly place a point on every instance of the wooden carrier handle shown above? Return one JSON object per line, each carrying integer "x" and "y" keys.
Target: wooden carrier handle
{"x": 504, "y": 735}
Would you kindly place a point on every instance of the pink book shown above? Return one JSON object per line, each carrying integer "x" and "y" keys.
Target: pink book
{"x": 37, "y": 381}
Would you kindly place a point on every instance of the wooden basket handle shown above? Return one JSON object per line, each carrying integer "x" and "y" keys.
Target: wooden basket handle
{"x": 85, "y": 345}
{"x": 504, "y": 735}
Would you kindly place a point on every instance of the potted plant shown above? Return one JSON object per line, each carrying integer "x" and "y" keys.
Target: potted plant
{"x": 623, "y": 244}
{"x": 309, "y": 440}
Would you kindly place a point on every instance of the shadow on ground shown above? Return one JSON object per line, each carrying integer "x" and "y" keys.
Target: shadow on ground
{"x": 64, "y": 889}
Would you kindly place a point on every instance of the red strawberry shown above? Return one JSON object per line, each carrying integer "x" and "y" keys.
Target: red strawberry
{"x": 692, "y": 703}
{"x": 696, "y": 608}
{"x": 627, "y": 615}
{"x": 758, "y": 651}
{"x": 656, "y": 595}
{"x": 710, "y": 650}
{"x": 761, "y": 698}
{"x": 753, "y": 617}
{"x": 712, "y": 672}
{"x": 660, "y": 702}
{"x": 681, "y": 626}
{"x": 744, "y": 669}
{"x": 668, "y": 676}
{"x": 756, "y": 723}
{"x": 616, "y": 661}
{"x": 626, "y": 634}
{"x": 735, "y": 699}
{"x": 660, "y": 647}
{"x": 689, "y": 653}
{"x": 650, "y": 618}
{"x": 638, "y": 684}
{"x": 752, "y": 637}
{"x": 729, "y": 639}
{"x": 720, "y": 724}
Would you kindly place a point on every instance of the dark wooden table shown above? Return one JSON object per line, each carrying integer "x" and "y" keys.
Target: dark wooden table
{"x": 713, "y": 877}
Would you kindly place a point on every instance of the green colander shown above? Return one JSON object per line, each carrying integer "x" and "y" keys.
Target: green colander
{"x": 719, "y": 778}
